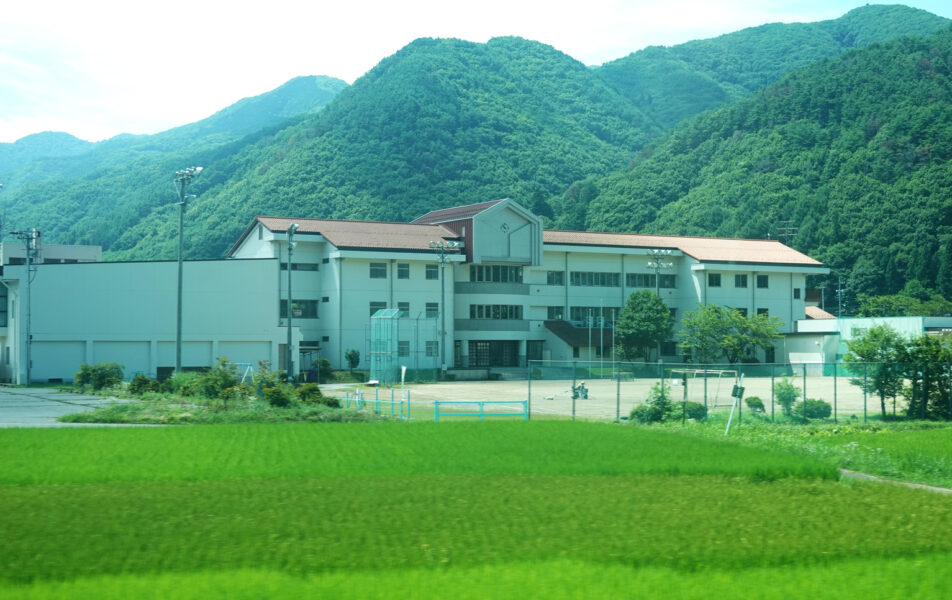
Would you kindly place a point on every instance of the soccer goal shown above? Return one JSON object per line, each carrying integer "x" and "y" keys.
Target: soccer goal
{"x": 710, "y": 387}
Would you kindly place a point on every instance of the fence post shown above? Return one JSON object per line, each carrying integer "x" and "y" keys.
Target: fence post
{"x": 436, "y": 411}
{"x": 804, "y": 392}
{"x": 529, "y": 398}
{"x": 865, "y": 369}
{"x": 408, "y": 405}
{"x": 773, "y": 375}
{"x": 618, "y": 396}
{"x": 834, "y": 392}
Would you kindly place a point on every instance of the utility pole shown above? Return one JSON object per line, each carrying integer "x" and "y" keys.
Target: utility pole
{"x": 442, "y": 246}
{"x": 659, "y": 260}
{"x": 293, "y": 227}
{"x": 31, "y": 239}
{"x": 182, "y": 178}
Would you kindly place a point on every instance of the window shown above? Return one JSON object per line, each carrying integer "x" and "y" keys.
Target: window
{"x": 640, "y": 280}
{"x": 762, "y": 281}
{"x": 495, "y": 274}
{"x": 325, "y": 261}
{"x": 595, "y": 279}
{"x": 301, "y": 267}
{"x": 375, "y": 306}
{"x": 432, "y": 309}
{"x": 742, "y": 311}
{"x": 378, "y": 270}
{"x": 326, "y": 299}
{"x": 713, "y": 280}
{"x": 796, "y": 293}
{"x": 763, "y": 311}
{"x": 740, "y": 281}
{"x": 403, "y": 348}
{"x": 555, "y": 313}
{"x": 575, "y": 352}
{"x": 403, "y": 270}
{"x": 432, "y": 272}
{"x": 668, "y": 281}
{"x": 555, "y": 277}
{"x": 325, "y": 338}
{"x": 3, "y": 305}
{"x": 432, "y": 348}
{"x": 300, "y": 309}
{"x": 404, "y": 306}
{"x": 495, "y": 311}
{"x": 674, "y": 313}
{"x": 600, "y": 315}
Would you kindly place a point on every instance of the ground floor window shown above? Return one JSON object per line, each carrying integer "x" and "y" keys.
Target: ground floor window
{"x": 494, "y": 353}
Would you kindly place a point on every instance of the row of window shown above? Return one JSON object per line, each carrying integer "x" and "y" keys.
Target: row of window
{"x": 495, "y": 274}
{"x": 740, "y": 280}
{"x": 495, "y": 311}
{"x": 432, "y": 348}
{"x": 432, "y": 308}
{"x": 608, "y": 279}
{"x": 379, "y": 271}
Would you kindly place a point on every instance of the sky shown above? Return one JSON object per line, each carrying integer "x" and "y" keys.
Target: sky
{"x": 98, "y": 68}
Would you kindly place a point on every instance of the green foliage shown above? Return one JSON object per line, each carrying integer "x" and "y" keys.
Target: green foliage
{"x": 352, "y": 357}
{"x": 99, "y": 376}
{"x": 713, "y": 331}
{"x": 213, "y": 383}
{"x": 657, "y": 407}
{"x": 308, "y": 392}
{"x": 185, "y": 384}
{"x": 815, "y": 409}
{"x": 645, "y": 321}
{"x": 786, "y": 394}
{"x": 141, "y": 384}
{"x": 878, "y": 355}
{"x": 755, "y": 404}
{"x": 276, "y": 396}
{"x": 687, "y": 410}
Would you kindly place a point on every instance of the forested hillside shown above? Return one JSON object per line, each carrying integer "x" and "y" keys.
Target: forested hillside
{"x": 440, "y": 123}
{"x": 673, "y": 83}
{"x": 853, "y": 152}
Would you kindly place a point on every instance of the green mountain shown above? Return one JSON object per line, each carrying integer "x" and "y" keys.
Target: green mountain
{"x": 671, "y": 84}
{"x": 853, "y": 153}
{"x": 440, "y": 123}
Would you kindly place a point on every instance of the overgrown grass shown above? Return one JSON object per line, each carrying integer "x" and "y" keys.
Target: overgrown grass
{"x": 379, "y": 449}
{"x": 553, "y": 579}
{"x": 914, "y": 451}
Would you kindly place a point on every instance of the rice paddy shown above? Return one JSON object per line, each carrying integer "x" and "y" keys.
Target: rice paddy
{"x": 466, "y": 510}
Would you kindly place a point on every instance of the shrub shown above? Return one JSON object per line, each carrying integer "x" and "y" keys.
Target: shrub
{"x": 646, "y": 413}
{"x": 276, "y": 397}
{"x": 184, "y": 384}
{"x": 689, "y": 410}
{"x": 815, "y": 409}
{"x": 329, "y": 402}
{"x": 755, "y": 404}
{"x": 309, "y": 392}
{"x": 786, "y": 395}
{"x": 141, "y": 384}
{"x": 213, "y": 382}
{"x": 99, "y": 376}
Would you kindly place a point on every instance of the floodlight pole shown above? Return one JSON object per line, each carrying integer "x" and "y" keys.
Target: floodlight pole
{"x": 658, "y": 262}
{"x": 290, "y": 358}
{"x": 30, "y": 239}
{"x": 182, "y": 178}
{"x": 442, "y": 246}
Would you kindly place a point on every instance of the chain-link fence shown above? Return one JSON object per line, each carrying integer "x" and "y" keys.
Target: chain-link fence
{"x": 771, "y": 392}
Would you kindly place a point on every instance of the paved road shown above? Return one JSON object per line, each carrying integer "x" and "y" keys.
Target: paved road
{"x": 40, "y": 407}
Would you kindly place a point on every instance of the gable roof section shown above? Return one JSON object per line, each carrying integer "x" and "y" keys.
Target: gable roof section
{"x": 456, "y": 213}
{"x": 366, "y": 235}
{"x": 704, "y": 249}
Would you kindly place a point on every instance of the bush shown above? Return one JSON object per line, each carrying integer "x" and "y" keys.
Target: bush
{"x": 815, "y": 409}
{"x": 184, "y": 384}
{"x": 689, "y": 410}
{"x": 755, "y": 404}
{"x": 276, "y": 397}
{"x": 213, "y": 382}
{"x": 141, "y": 384}
{"x": 646, "y": 413}
{"x": 99, "y": 376}
{"x": 309, "y": 392}
{"x": 786, "y": 394}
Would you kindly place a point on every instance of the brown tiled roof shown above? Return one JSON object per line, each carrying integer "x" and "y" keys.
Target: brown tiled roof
{"x": 455, "y": 213}
{"x": 701, "y": 248}
{"x": 815, "y": 312}
{"x": 373, "y": 235}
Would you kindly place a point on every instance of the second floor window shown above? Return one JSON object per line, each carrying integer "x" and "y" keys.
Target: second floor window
{"x": 378, "y": 270}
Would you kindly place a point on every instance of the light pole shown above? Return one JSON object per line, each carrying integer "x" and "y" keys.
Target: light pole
{"x": 442, "y": 246}
{"x": 659, "y": 260}
{"x": 30, "y": 239}
{"x": 182, "y": 178}
{"x": 291, "y": 229}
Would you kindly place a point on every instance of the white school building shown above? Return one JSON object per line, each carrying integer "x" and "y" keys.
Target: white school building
{"x": 484, "y": 285}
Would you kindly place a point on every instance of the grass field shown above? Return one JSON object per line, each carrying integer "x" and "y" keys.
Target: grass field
{"x": 548, "y": 509}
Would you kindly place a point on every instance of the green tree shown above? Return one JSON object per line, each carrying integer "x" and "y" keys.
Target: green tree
{"x": 352, "y": 357}
{"x": 927, "y": 396}
{"x": 645, "y": 321}
{"x": 713, "y": 331}
{"x": 786, "y": 393}
{"x": 878, "y": 355}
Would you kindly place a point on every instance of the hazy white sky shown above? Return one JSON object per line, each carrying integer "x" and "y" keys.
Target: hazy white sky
{"x": 101, "y": 67}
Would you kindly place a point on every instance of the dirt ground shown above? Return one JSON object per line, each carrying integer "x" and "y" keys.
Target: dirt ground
{"x": 608, "y": 398}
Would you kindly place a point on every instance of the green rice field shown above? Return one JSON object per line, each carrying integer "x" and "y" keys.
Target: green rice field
{"x": 548, "y": 509}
